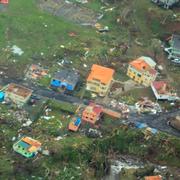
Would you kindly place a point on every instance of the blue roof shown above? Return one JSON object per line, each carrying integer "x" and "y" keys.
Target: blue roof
{"x": 77, "y": 122}
{"x": 23, "y": 144}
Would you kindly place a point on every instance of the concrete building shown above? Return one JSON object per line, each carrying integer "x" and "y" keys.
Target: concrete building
{"x": 99, "y": 79}
{"x": 66, "y": 79}
{"x": 142, "y": 70}
{"x": 18, "y": 94}
{"x": 92, "y": 113}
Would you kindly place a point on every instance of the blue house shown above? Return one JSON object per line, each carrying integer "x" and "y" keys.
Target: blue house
{"x": 66, "y": 79}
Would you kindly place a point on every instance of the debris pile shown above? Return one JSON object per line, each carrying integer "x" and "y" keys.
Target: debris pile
{"x": 147, "y": 106}
{"x": 122, "y": 107}
{"x": 36, "y": 71}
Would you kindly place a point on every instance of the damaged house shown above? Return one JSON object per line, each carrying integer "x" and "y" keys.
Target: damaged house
{"x": 18, "y": 94}
{"x": 163, "y": 91}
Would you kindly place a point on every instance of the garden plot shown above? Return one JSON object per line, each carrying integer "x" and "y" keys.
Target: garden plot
{"x": 70, "y": 11}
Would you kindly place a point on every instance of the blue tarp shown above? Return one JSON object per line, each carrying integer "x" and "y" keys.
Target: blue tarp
{"x": 153, "y": 130}
{"x": 77, "y": 122}
{"x": 140, "y": 125}
{"x": 70, "y": 87}
{"x": 55, "y": 83}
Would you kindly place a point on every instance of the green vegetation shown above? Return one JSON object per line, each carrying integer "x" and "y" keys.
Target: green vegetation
{"x": 45, "y": 39}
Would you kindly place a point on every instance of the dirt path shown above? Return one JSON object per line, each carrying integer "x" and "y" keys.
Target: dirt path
{"x": 69, "y": 11}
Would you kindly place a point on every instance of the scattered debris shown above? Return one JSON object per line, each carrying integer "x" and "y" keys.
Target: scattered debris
{"x": 93, "y": 133}
{"x": 16, "y": 50}
{"x": 58, "y": 138}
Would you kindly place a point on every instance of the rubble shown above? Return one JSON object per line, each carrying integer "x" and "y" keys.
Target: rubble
{"x": 119, "y": 106}
{"x": 147, "y": 106}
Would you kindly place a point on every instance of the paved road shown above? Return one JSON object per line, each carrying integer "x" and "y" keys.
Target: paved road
{"x": 43, "y": 91}
{"x": 155, "y": 121}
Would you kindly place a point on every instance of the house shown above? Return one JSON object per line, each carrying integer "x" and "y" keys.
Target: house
{"x": 165, "y": 3}
{"x": 18, "y": 94}
{"x": 163, "y": 91}
{"x": 36, "y": 71}
{"x": 4, "y": 1}
{"x": 153, "y": 177}
{"x": 142, "y": 70}
{"x": 99, "y": 79}
{"x": 74, "y": 124}
{"x": 66, "y": 79}
{"x": 27, "y": 147}
{"x": 174, "y": 49}
{"x": 92, "y": 113}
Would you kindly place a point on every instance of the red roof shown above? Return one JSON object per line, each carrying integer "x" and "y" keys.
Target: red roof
{"x": 159, "y": 84}
{"x": 153, "y": 177}
{"x": 140, "y": 64}
{"x": 4, "y": 1}
{"x": 96, "y": 108}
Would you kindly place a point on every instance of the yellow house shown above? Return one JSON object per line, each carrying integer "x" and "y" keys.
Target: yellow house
{"x": 99, "y": 79}
{"x": 142, "y": 70}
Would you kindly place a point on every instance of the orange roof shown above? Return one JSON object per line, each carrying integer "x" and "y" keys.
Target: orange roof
{"x": 72, "y": 127}
{"x": 32, "y": 142}
{"x": 140, "y": 64}
{"x": 19, "y": 90}
{"x": 153, "y": 177}
{"x": 103, "y": 74}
